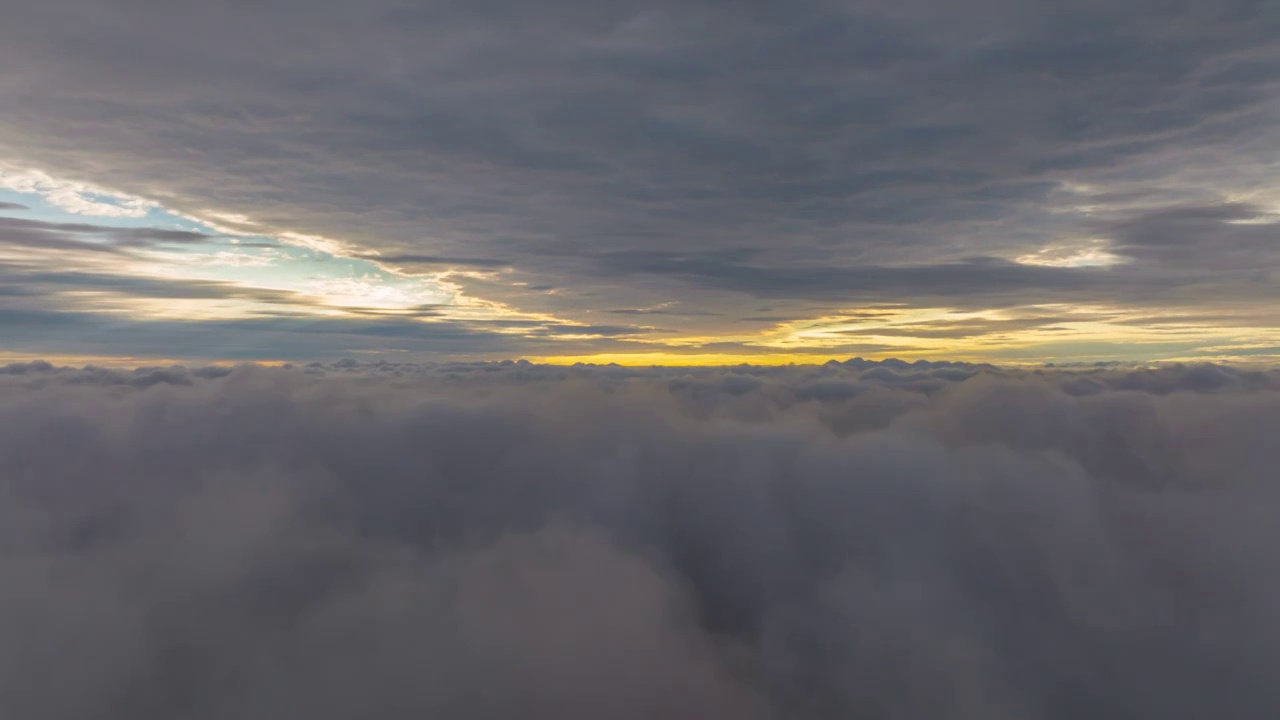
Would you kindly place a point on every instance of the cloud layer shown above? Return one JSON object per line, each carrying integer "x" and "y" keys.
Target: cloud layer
{"x": 728, "y": 162}
{"x": 879, "y": 540}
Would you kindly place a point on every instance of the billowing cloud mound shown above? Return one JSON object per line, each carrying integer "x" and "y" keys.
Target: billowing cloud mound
{"x": 870, "y": 540}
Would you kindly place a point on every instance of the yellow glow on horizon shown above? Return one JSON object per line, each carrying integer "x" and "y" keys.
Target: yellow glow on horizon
{"x": 225, "y": 284}
{"x": 644, "y": 359}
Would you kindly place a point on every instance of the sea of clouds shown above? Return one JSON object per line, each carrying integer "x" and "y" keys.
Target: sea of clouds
{"x": 505, "y": 540}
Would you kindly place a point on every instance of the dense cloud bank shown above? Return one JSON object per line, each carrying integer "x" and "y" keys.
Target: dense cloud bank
{"x": 869, "y": 540}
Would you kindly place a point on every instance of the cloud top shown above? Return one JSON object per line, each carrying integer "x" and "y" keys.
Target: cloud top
{"x": 881, "y": 540}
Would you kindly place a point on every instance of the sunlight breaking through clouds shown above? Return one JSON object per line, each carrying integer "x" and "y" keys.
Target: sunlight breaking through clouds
{"x": 594, "y": 360}
{"x": 73, "y": 197}
{"x": 1094, "y": 253}
{"x": 644, "y": 185}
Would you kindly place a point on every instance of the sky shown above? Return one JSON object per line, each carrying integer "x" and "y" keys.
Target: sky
{"x": 596, "y": 360}
{"x": 645, "y": 183}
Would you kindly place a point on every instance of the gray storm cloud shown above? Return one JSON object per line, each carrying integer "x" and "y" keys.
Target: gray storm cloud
{"x": 872, "y": 540}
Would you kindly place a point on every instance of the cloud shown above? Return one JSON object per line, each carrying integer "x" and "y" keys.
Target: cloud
{"x": 136, "y": 286}
{"x": 1171, "y": 248}
{"x": 859, "y": 150}
{"x": 265, "y": 335}
{"x": 80, "y": 237}
{"x": 881, "y": 540}
{"x": 1225, "y": 237}
{"x": 12, "y": 206}
{"x": 974, "y": 280}
{"x": 437, "y": 260}
{"x": 73, "y": 197}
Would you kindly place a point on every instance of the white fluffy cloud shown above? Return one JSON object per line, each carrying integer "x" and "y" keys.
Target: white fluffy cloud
{"x": 490, "y": 541}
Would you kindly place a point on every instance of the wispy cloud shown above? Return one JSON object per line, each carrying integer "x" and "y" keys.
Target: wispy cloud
{"x": 74, "y": 197}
